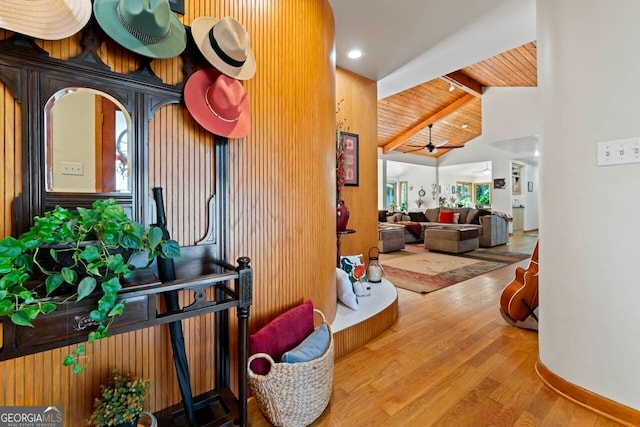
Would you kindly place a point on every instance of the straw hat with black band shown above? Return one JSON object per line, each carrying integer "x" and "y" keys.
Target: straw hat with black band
{"x": 45, "y": 19}
{"x": 218, "y": 103}
{"x": 225, "y": 44}
{"x": 146, "y": 27}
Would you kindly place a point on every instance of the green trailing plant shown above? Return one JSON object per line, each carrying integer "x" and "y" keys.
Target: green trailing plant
{"x": 92, "y": 242}
{"x": 121, "y": 401}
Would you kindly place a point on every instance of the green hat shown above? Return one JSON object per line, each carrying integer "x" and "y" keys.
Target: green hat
{"x": 147, "y": 27}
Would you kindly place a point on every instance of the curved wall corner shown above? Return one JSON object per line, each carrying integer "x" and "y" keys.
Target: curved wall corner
{"x": 588, "y": 332}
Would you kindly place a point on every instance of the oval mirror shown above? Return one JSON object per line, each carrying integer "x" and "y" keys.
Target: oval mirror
{"x": 87, "y": 143}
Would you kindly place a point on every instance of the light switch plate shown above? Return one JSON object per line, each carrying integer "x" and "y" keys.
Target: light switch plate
{"x": 618, "y": 152}
{"x": 72, "y": 168}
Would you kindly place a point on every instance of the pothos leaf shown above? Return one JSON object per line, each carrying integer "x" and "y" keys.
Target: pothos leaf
{"x": 85, "y": 287}
{"x": 21, "y": 317}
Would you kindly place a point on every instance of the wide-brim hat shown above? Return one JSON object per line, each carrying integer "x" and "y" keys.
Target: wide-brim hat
{"x": 147, "y": 27}
{"x": 218, "y": 103}
{"x": 225, "y": 44}
{"x": 45, "y": 19}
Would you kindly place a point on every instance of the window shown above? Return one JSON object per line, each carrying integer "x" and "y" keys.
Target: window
{"x": 390, "y": 195}
{"x": 482, "y": 191}
{"x": 463, "y": 193}
{"x": 402, "y": 205}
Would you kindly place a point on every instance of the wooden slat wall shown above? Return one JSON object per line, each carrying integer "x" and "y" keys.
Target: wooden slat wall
{"x": 358, "y": 108}
{"x": 282, "y": 204}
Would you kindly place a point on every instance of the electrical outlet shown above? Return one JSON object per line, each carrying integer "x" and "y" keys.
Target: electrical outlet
{"x": 72, "y": 168}
{"x": 621, "y": 151}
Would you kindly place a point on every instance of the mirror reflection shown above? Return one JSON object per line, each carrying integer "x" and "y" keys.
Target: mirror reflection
{"x": 87, "y": 143}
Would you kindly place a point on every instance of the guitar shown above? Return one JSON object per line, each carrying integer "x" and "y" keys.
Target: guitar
{"x": 520, "y": 297}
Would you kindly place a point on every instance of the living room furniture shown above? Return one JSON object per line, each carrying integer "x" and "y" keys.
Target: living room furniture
{"x": 493, "y": 227}
{"x": 452, "y": 240}
{"x": 390, "y": 238}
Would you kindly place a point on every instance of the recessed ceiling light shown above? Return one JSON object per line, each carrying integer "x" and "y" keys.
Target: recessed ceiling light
{"x": 536, "y": 153}
{"x": 464, "y": 125}
{"x": 354, "y": 53}
{"x": 451, "y": 87}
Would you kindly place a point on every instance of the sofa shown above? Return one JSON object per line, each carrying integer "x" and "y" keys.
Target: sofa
{"x": 493, "y": 227}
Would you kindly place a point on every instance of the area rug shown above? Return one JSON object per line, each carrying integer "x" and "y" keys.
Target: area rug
{"x": 422, "y": 271}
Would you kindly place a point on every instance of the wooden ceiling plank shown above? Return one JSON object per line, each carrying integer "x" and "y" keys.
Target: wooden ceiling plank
{"x": 464, "y": 82}
{"x": 426, "y": 122}
{"x": 520, "y": 74}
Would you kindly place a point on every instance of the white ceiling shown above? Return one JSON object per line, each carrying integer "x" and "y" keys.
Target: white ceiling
{"x": 409, "y": 42}
{"x": 525, "y": 148}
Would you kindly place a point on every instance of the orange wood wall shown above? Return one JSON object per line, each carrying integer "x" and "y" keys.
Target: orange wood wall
{"x": 357, "y": 97}
{"x": 282, "y": 203}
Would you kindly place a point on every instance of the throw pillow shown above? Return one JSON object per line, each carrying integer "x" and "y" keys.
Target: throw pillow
{"x": 406, "y": 218}
{"x": 464, "y": 212}
{"x": 418, "y": 217}
{"x": 344, "y": 289}
{"x": 353, "y": 266}
{"x": 483, "y": 212}
{"x": 456, "y": 217}
{"x": 472, "y": 216}
{"x": 314, "y": 346}
{"x": 281, "y": 334}
{"x": 445, "y": 217}
{"x": 432, "y": 214}
{"x": 391, "y": 218}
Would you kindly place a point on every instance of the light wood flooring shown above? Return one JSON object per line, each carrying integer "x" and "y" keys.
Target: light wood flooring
{"x": 450, "y": 360}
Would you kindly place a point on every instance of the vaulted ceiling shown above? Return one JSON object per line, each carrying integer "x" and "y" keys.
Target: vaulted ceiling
{"x": 456, "y": 115}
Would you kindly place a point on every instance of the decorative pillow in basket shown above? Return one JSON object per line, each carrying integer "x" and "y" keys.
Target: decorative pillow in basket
{"x": 296, "y": 390}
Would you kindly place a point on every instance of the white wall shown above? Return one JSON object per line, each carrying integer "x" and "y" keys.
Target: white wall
{"x": 530, "y": 199}
{"x": 510, "y": 112}
{"x": 588, "y": 70}
{"x": 382, "y": 183}
{"x": 420, "y": 176}
{"x": 74, "y": 136}
{"x": 508, "y": 115}
{"x": 477, "y": 150}
{"x": 417, "y": 176}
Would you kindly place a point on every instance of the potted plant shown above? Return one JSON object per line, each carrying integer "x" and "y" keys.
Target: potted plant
{"x": 121, "y": 401}
{"x": 87, "y": 247}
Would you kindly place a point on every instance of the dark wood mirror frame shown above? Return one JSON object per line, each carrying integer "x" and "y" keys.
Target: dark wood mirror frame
{"x": 33, "y": 77}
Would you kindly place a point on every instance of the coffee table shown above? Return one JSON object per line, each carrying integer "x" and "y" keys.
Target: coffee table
{"x": 450, "y": 239}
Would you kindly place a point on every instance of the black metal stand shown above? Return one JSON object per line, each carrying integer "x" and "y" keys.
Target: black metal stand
{"x": 340, "y": 234}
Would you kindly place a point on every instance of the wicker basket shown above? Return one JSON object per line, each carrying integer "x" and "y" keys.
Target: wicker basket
{"x": 294, "y": 394}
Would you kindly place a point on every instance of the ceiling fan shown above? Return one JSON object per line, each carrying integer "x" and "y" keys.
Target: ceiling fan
{"x": 430, "y": 148}
{"x": 486, "y": 170}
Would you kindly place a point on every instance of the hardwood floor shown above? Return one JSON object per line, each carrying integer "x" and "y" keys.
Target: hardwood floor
{"x": 449, "y": 360}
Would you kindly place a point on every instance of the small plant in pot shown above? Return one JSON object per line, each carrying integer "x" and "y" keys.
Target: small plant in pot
{"x": 121, "y": 401}
{"x": 85, "y": 250}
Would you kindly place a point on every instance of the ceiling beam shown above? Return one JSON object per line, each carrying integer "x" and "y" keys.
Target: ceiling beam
{"x": 464, "y": 82}
{"x": 458, "y": 103}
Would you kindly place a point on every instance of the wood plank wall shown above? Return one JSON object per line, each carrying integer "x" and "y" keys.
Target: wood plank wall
{"x": 282, "y": 205}
{"x": 357, "y": 97}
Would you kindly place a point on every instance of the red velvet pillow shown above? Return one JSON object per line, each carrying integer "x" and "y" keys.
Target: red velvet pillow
{"x": 446, "y": 217}
{"x": 280, "y": 335}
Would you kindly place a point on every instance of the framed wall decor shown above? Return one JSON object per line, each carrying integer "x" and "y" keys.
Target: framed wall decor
{"x": 350, "y": 142}
{"x": 177, "y": 6}
{"x": 499, "y": 183}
